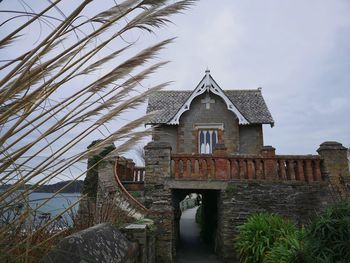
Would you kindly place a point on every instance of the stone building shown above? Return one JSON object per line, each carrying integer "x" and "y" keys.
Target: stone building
{"x": 195, "y": 121}
{"x": 209, "y": 141}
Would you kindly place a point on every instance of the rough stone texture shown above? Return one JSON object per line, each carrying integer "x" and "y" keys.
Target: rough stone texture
{"x": 144, "y": 236}
{"x": 163, "y": 215}
{"x": 250, "y": 139}
{"x": 335, "y": 163}
{"x": 159, "y": 200}
{"x": 102, "y": 243}
{"x": 245, "y": 139}
{"x": 166, "y": 133}
{"x": 110, "y": 199}
{"x": 295, "y": 200}
{"x": 198, "y": 114}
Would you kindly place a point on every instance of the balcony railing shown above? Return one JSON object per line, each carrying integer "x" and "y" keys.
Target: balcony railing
{"x": 305, "y": 168}
{"x": 129, "y": 173}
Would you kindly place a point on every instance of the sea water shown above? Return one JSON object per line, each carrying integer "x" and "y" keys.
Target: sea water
{"x": 55, "y": 206}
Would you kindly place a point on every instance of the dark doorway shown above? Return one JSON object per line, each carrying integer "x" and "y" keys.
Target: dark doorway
{"x": 196, "y": 240}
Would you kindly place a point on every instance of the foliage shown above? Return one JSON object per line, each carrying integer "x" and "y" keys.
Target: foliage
{"x": 287, "y": 249}
{"x": 269, "y": 238}
{"x": 91, "y": 179}
{"x": 258, "y": 236}
{"x": 328, "y": 237}
{"x": 77, "y": 74}
{"x": 199, "y": 216}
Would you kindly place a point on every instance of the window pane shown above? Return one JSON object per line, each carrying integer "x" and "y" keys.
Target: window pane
{"x": 201, "y": 142}
{"x": 207, "y": 141}
{"x": 213, "y": 139}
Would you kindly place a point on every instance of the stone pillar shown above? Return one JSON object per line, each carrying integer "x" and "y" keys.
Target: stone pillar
{"x": 158, "y": 198}
{"x": 106, "y": 191}
{"x": 143, "y": 235}
{"x": 221, "y": 163}
{"x": 270, "y": 164}
{"x": 130, "y": 170}
{"x": 335, "y": 164}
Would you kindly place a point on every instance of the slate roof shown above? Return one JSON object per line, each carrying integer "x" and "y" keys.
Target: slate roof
{"x": 250, "y": 103}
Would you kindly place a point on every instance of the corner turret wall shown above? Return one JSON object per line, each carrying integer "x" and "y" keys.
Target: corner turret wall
{"x": 335, "y": 164}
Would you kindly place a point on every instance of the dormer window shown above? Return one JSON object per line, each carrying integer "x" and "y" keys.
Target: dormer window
{"x": 208, "y": 137}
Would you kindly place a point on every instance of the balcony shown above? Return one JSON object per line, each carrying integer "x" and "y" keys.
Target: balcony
{"x": 305, "y": 168}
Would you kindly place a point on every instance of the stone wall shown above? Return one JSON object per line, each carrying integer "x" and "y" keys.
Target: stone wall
{"x": 297, "y": 201}
{"x": 158, "y": 198}
{"x": 111, "y": 203}
{"x": 250, "y": 139}
{"x": 335, "y": 164}
{"x": 198, "y": 114}
{"x": 143, "y": 235}
{"x": 168, "y": 134}
{"x": 246, "y": 139}
{"x": 235, "y": 199}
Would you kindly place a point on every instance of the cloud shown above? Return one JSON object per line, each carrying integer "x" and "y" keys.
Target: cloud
{"x": 298, "y": 51}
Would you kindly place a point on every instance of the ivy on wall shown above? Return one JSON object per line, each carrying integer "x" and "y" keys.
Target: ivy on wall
{"x": 91, "y": 179}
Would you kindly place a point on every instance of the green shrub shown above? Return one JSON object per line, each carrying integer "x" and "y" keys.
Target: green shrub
{"x": 259, "y": 234}
{"x": 288, "y": 249}
{"x": 328, "y": 238}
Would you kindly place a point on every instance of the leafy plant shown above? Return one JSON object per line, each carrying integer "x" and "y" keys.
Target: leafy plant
{"x": 258, "y": 236}
{"x": 288, "y": 249}
{"x": 199, "y": 216}
{"x": 328, "y": 237}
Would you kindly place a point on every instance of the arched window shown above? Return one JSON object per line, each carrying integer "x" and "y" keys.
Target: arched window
{"x": 208, "y": 139}
{"x": 208, "y": 136}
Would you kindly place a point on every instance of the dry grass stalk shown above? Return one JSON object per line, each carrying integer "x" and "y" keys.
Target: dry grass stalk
{"x": 40, "y": 135}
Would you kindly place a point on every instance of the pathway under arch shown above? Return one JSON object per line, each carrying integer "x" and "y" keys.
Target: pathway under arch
{"x": 191, "y": 244}
{"x": 191, "y": 248}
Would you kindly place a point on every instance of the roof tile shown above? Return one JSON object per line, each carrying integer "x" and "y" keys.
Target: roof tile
{"x": 250, "y": 103}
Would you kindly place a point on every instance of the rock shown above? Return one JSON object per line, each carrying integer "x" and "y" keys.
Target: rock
{"x": 100, "y": 243}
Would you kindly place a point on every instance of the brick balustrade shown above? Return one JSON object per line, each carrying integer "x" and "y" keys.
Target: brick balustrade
{"x": 138, "y": 174}
{"x": 280, "y": 167}
{"x": 128, "y": 172}
{"x": 131, "y": 176}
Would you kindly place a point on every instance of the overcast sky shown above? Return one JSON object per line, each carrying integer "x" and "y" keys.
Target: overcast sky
{"x": 297, "y": 51}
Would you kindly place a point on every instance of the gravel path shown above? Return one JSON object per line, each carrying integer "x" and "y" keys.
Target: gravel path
{"x": 191, "y": 249}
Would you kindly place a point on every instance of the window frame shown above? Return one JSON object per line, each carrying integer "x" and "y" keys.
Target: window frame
{"x": 212, "y": 127}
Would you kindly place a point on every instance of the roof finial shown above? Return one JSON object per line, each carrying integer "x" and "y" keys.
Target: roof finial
{"x": 207, "y": 79}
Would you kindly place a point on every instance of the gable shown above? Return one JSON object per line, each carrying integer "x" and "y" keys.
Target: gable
{"x": 248, "y": 105}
